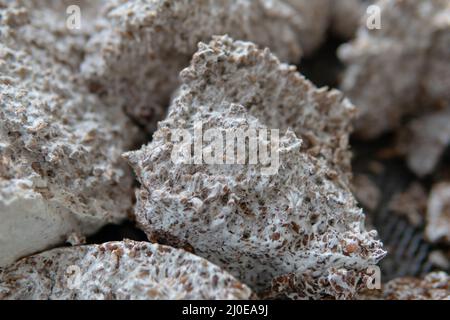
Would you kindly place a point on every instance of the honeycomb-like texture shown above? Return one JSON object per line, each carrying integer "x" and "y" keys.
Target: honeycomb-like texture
{"x": 296, "y": 233}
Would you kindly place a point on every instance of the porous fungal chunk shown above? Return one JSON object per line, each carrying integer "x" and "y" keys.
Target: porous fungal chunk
{"x": 411, "y": 204}
{"x": 434, "y": 286}
{"x": 60, "y": 167}
{"x": 296, "y": 232}
{"x": 346, "y": 16}
{"x": 366, "y": 191}
{"x": 137, "y": 56}
{"x": 273, "y": 92}
{"x": 438, "y": 214}
{"x": 402, "y": 67}
{"x": 118, "y": 270}
{"x": 44, "y": 23}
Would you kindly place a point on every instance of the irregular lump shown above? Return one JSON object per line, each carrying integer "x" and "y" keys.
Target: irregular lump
{"x": 295, "y": 233}
{"x": 434, "y": 286}
{"x": 45, "y": 24}
{"x": 412, "y": 204}
{"x": 118, "y": 271}
{"x": 390, "y": 70}
{"x": 425, "y": 139}
{"x": 438, "y": 214}
{"x": 346, "y": 16}
{"x": 136, "y": 58}
{"x": 366, "y": 191}
{"x": 60, "y": 166}
{"x": 440, "y": 259}
{"x": 436, "y": 82}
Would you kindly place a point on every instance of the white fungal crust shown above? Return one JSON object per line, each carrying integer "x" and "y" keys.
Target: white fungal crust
{"x": 60, "y": 165}
{"x": 311, "y": 32}
{"x": 45, "y": 24}
{"x": 366, "y": 191}
{"x": 411, "y": 203}
{"x": 137, "y": 56}
{"x": 425, "y": 139}
{"x": 118, "y": 271}
{"x": 438, "y": 214}
{"x": 296, "y": 233}
{"x": 401, "y": 68}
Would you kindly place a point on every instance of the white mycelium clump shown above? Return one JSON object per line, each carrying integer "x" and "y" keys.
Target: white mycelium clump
{"x": 118, "y": 270}
{"x": 60, "y": 167}
{"x": 401, "y": 68}
{"x": 295, "y": 233}
{"x": 135, "y": 58}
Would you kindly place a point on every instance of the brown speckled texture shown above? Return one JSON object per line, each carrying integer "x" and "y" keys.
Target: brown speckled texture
{"x": 60, "y": 167}
{"x": 135, "y": 58}
{"x": 118, "y": 271}
{"x": 297, "y": 233}
{"x": 346, "y": 16}
{"x": 434, "y": 286}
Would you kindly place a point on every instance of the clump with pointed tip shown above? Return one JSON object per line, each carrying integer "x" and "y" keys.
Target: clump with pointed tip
{"x": 297, "y": 233}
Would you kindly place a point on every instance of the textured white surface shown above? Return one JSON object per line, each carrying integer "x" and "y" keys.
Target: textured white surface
{"x": 297, "y": 233}
{"x": 118, "y": 270}
{"x": 60, "y": 166}
{"x": 438, "y": 213}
